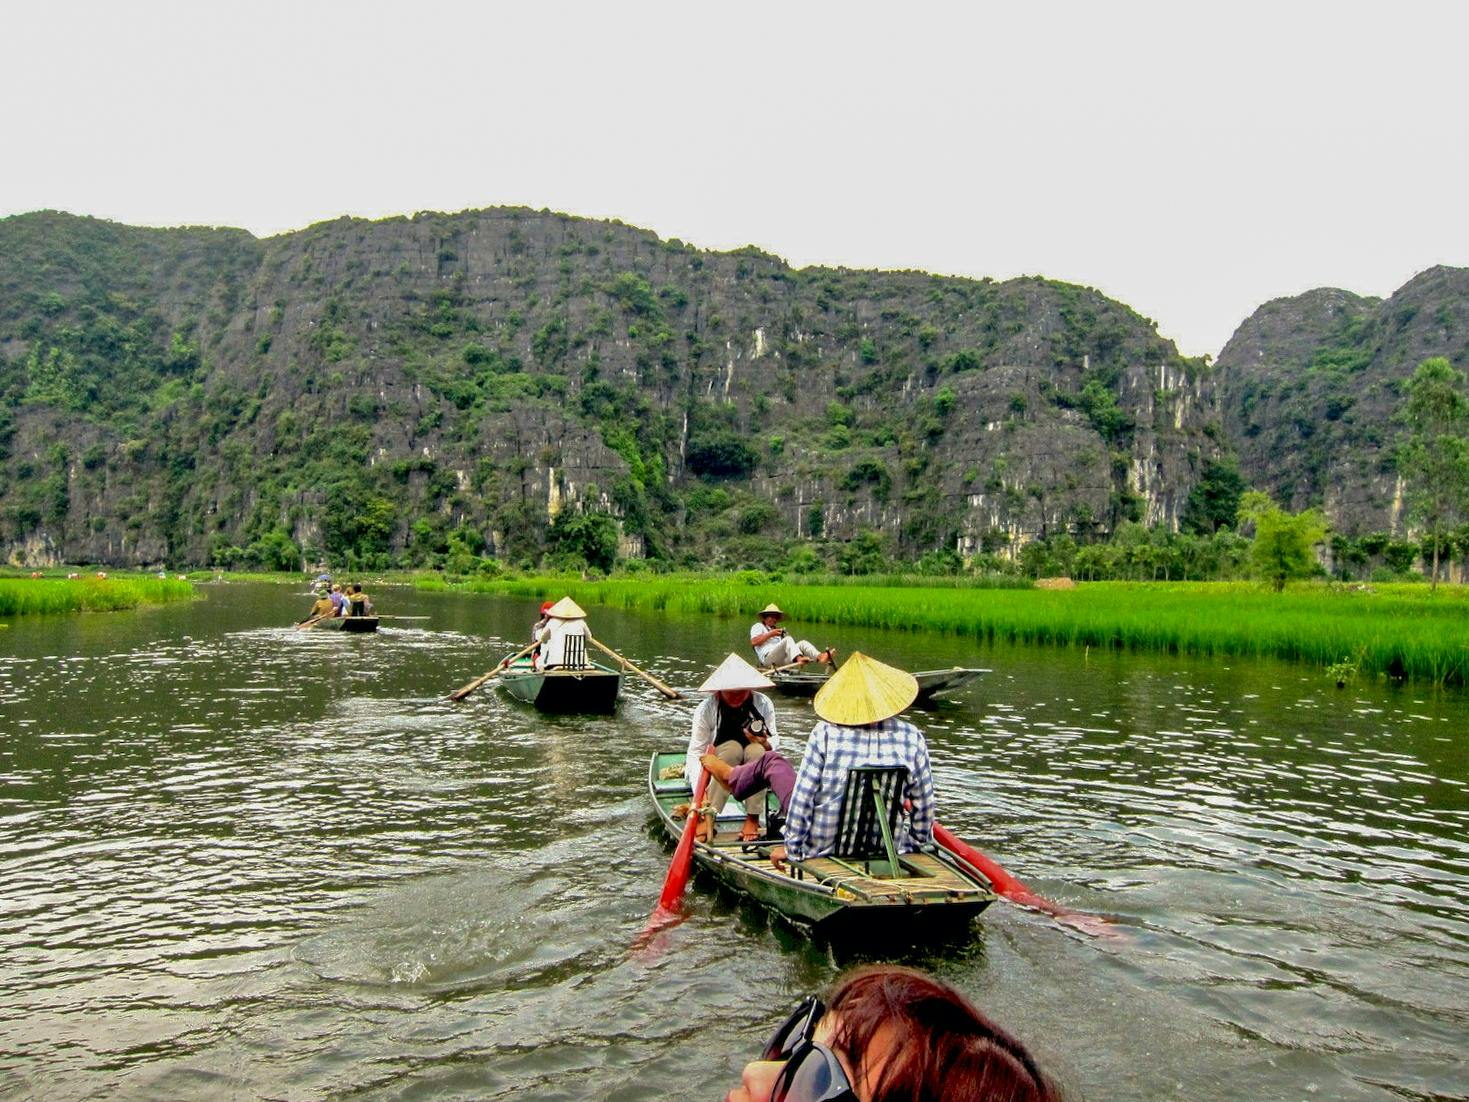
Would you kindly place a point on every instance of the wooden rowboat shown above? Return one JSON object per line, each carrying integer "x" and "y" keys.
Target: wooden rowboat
{"x": 592, "y": 688}
{"x": 348, "y": 623}
{"x": 936, "y": 891}
{"x": 805, "y": 681}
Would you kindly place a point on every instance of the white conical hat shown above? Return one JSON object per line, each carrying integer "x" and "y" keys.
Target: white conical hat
{"x": 567, "y": 609}
{"x": 735, "y": 673}
{"x": 865, "y": 691}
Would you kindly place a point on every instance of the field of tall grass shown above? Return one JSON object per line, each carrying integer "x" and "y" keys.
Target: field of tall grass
{"x": 1395, "y": 630}
{"x": 34, "y": 596}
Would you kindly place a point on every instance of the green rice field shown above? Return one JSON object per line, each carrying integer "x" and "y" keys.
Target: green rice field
{"x": 35, "y": 596}
{"x": 1403, "y": 631}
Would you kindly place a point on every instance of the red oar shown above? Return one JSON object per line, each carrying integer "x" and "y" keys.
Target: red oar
{"x": 1013, "y": 888}
{"x": 679, "y": 868}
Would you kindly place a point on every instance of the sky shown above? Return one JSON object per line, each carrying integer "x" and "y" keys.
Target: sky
{"x": 1191, "y": 160}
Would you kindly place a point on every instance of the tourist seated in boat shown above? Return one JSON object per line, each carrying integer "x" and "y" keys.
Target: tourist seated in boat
{"x": 322, "y": 608}
{"x": 564, "y": 638}
{"x": 859, "y": 725}
{"x": 357, "y": 602}
{"x": 339, "y": 601}
{"x": 535, "y": 632}
{"x": 886, "y": 1033}
{"x": 736, "y": 724}
{"x": 775, "y": 647}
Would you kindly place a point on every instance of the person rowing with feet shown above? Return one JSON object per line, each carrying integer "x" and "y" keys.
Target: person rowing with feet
{"x": 775, "y": 647}
{"x": 733, "y": 727}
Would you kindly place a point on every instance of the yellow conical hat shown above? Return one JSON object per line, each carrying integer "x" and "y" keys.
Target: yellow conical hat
{"x": 567, "y": 609}
{"x": 735, "y": 673}
{"x": 771, "y": 610}
{"x": 865, "y": 691}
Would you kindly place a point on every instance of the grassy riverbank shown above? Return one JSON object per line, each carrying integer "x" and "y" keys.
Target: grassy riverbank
{"x": 38, "y": 596}
{"x": 1393, "y": 630}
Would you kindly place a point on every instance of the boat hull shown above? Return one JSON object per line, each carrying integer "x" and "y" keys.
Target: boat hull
{"x": 593, "y": 690}
{"x": 347, "y": 623}
{"x": 942, "y": 894}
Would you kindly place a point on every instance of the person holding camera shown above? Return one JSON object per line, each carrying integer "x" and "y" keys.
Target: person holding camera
{"x": 775, "y": 647}
{"x": 737, "y": 725}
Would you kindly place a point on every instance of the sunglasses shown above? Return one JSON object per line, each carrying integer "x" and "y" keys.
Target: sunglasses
{"x": 812, "y": 1072}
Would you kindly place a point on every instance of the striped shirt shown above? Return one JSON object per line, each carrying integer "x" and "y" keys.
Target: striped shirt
{"x": 816, "y": 803}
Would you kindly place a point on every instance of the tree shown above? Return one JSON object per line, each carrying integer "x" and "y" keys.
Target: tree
{"x": 1433, "y": 453}
{"x": 1284, "y": 546}
{"x": 1214, "y": 500}
{"x": 592, "y": 537}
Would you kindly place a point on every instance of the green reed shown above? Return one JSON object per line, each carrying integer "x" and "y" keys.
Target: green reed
{"x": 38, "y": 596}
{"x": 1400, "y": 631}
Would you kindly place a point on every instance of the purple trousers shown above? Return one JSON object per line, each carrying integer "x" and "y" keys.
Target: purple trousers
{"x": 770, "y": 770}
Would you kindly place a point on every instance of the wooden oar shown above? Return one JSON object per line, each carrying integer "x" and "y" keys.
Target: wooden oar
{"x": 671, "y": 694}
{"x": 311, "y": 623}
{"x": 782, "y": 669}
{"x": 1012, "y": 888}
{"x": 461, "y": 693}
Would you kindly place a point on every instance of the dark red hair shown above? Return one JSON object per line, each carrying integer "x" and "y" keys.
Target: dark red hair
{"x": 943, "y": 1048}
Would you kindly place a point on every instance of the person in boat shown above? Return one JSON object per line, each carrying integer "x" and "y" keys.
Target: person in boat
{"x": 564, "y": 637}
{"x": 339, "y": 600}
{"x": 322, "y": 608}
{"x": 734, "y": 725}
{"x": 890, "y": 1034}
{"x": 775, "y": 647}
{"x": 859, "y": 725}
{"x": 357, "y": 602}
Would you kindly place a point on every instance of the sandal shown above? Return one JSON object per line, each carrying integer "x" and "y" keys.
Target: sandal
{"x": 750, "y": 832}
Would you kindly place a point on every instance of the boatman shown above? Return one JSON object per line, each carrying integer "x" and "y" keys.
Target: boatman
{"x": 735, "y": 725}
{"x": 859, "y": 725}
{"x": 775, "y": 647}
{"x": 564, "y": 637}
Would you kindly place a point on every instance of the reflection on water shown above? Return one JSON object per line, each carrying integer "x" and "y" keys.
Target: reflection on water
{"x": 241, "y": 860}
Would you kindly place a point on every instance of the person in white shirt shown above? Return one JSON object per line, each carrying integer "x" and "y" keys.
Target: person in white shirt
{"x": 775, "y": 647}
{"x": 736, "y": 724}
{"x": 564, "y": 621}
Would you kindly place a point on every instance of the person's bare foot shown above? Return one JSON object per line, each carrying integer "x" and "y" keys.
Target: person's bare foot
{"x": 829, "y": 656}
{"x": 718, "y": 768}
{"x": 801, "y": 660}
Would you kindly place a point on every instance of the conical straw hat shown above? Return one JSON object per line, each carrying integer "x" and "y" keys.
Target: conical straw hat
{"x": 771, "y": 610}
{"x": 567, "y": 609}
{"x": 735, "y": 673}
{"x": 865, "y": 691}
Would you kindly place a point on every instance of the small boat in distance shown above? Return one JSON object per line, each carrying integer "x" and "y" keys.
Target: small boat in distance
{"x": 853, "y": 895}
{"x": 805, "y": 681}
{"x": 591, "y": 688}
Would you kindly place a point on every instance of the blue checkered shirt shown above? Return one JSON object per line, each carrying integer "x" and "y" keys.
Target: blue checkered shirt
{"x": 816, "y": 803}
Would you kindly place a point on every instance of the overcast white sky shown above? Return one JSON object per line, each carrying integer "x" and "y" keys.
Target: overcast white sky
{"x": 1191, "y": 161}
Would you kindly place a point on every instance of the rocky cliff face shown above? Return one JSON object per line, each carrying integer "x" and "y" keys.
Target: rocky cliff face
{"x": 377, "y": 387}
{"x": 1309, "y": 386}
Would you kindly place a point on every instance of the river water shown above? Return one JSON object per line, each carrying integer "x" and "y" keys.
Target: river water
{"x": 241, "y": 861}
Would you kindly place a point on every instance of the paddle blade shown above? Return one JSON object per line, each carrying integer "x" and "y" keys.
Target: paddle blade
{"x": 683, "y": 856}
{"x": 1013, "y": 889}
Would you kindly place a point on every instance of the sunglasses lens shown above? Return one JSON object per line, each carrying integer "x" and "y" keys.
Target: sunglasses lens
{"x": 793, "y": 1031}
{"x": 813, "y": 1076}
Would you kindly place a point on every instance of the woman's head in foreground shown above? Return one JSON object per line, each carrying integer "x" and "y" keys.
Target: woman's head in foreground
{"x": 890, "y": 1034}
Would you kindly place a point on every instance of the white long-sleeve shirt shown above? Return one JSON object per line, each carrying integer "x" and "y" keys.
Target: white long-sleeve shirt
{"x": 705, "y": 725}
{"x": 553, "y": 639}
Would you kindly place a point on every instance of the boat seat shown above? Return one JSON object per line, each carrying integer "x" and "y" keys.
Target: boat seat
{"x": 573, "y": 653}
{"x": 871, "y": 804}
